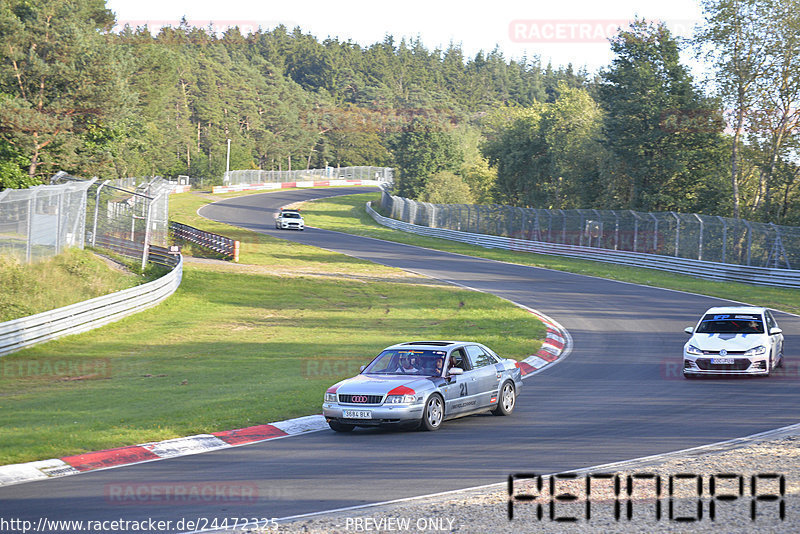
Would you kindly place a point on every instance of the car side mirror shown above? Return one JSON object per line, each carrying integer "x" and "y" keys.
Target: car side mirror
{"x": 361, "y": 369}
{"x": 689, "y": 330}
{"x": 775, "y": 330}
{"x": 455, "y": 371}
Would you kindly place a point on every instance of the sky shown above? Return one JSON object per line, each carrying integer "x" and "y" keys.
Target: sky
{"x": 561, "y": 32}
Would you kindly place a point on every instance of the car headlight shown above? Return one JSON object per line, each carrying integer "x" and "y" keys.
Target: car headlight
{"x": 755, "y": 351}
{"x": 330, "y": 397}
{"x": 691, "y": 349}
{"x": 401, "y": 399}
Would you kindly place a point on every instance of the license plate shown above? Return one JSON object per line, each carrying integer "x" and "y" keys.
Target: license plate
{"x": 722, "y": 361}
{"x": 358, "y": 414}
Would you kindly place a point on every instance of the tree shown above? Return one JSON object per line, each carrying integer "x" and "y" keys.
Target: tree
{"x": 733, "y": 39}
{"x": 64, "y": 85}
{"x": 663, "y": 135}
{"x": 516, "y": 148}
{"x": 13, "y": 167}
{"x": 572, "y": 130}
{"x": 444, "y": 187}
{"x": 421, "y": 150}
{"x": 776, "y": 127}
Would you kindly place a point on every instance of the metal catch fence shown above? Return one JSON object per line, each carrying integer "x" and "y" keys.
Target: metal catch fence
{"x": 383, "y": 174}
{"x": 690, "y": 236}
{"x": 41, "y": 221}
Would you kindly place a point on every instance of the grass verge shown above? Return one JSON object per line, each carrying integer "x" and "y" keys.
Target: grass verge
{"x": 236, "y": 345}
{"x": 73, "y": 276}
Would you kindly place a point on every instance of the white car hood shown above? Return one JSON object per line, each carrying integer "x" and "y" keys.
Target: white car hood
{"x": 729, "y": 342}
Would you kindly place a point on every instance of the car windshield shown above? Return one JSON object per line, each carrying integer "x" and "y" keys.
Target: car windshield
{"x": 408, "y": 362}
{"x": 740, "y": 323}
{"x": 291, "y": 215}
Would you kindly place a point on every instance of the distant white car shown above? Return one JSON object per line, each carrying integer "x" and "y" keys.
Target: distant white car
{"x": 289, "y": 220}
{"x": 735, "y": 340}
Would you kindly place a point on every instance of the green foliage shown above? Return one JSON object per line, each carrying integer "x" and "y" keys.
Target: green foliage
{"x": 550, "y": 154}
{"x": 72, "y": 276}
{"x": 444, "y": 187}
{"x": 12, "y": 168}
{"x": 60, "y": 81}
{"x": 663, "y": 136}
{"x": 423, "y": 149}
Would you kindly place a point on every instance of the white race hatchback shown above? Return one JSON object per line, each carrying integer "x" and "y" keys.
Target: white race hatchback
{"x": 735, "y": 340}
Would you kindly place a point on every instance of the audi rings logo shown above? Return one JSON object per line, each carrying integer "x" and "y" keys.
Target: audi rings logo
{"x": 358, "y": 398}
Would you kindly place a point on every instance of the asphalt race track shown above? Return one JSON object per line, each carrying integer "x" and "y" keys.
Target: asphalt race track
{"x": 618, "y": 395}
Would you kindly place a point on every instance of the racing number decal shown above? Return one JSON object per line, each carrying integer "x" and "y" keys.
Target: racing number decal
{"x": 463, "y": 389}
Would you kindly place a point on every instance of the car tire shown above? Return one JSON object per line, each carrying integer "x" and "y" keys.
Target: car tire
{"x": 507, "y": 400}
{"x": 340, "y": 427}
{"x": 432, "y": 414}
{"x": 689, "y": 376}
{"x": 780, "y": 363}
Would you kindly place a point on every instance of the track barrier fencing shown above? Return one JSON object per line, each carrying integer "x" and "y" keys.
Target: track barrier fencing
{"x": 709, "y": 247}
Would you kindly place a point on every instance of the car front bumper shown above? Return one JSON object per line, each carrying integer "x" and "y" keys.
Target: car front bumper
{"x": 379, "y": 414}
{"x": 742, "y": 365}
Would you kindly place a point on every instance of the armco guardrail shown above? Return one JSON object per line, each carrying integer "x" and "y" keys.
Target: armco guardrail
{"x": 218, "y": 243}
{"x": 84, "y": 316}
{"x": 704, "y": 269}
{"x": 127, "y": 248}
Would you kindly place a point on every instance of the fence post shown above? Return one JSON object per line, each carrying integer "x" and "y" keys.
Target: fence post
{"x": 749, "y": 239}
{"x": 700, "y": 244}
{"x": 724, "y": 236}
{"x": 635, "y": 230}
{"x": 655, "y": 233}
{"x": 96, "y": 210}
{"x": 677, "y": 232}
{"x": 146, "y": 247}
{"x": 59, "y": 224}
{"x": 29, "y": 229}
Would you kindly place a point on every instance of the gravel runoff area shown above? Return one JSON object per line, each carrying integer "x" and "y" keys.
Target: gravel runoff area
{"x": 715, "y": 488}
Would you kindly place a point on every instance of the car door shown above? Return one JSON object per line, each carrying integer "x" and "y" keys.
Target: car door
{"x": 776, "y": 340}
{"x": 460, "y": 393}
{"x": 483, "y": 375}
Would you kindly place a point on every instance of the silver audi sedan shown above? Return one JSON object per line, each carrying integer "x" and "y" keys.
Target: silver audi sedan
{"x": 420, "y": 384}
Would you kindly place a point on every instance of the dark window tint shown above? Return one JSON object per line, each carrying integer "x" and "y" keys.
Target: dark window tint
{"x": 478, "y": 357}
{"x": 739, "y": 323}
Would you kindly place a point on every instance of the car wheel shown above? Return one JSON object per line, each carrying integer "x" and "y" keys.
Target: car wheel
{"x": 780, "y": 362}
{"x": 507, "y": 400}
{"x": 689, "y": 376}
{"x": 340, "y": 427}
{"x": 433, "y": 414}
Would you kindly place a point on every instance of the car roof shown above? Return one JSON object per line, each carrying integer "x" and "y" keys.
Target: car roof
{"x": 433, "y": 344}
{"x": 736, "y": 309}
